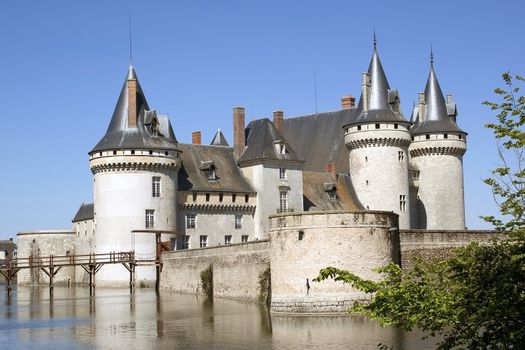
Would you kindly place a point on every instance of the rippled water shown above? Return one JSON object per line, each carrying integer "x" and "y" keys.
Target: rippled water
{"x": 112, "y": 319}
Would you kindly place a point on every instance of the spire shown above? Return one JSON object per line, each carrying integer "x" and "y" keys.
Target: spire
{"x": 431, "y": 57}
{"x": 378, "y": 83}
{"x": 219, "y": 139}
{"x": 375, "y": 39}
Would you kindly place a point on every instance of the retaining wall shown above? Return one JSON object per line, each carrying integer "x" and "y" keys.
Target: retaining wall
{"x": 236, "y": 269}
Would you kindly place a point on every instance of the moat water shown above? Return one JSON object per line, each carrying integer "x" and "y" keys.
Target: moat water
{"x": 113, "y": 319}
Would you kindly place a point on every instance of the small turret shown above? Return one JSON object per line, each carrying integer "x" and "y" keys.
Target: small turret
{"x": 437, "y": 152}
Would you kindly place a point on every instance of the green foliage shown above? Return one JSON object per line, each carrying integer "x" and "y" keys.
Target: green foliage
{"x": 475, "y": 299}
{"x": 207, "y": 281}
{"x": 508, "y": 185}
{"x": 143, "y": 285}
{"x": 265, "y": 287}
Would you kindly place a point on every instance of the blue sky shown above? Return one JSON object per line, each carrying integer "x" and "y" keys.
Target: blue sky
{"x": 63, "y": 64}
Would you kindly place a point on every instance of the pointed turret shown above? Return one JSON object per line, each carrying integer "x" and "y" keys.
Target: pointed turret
{"x": 436, "y": 118}
{"x": 219, "y": 139}
{"x": 127, "y": 127}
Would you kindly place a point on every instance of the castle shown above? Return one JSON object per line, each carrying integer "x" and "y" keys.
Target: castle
{"x": 366, "y": 159}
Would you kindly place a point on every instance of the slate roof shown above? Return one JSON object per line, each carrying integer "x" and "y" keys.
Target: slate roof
{"x": 85, "y": 212}
{"x": 316, "y": 185}
{"x": 196, "y": 157}
{"x": 219, "y": 139}
{"x": 261, "y": 136}
{"x": 119, "y": 135}
{"x": 318, "y": 139}
{"x": 379, "y": 108}
{"x": 437, "y": 114}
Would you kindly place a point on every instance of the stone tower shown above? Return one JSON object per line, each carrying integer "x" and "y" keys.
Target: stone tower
{"x": 378, "y": 140}
{"x": 135, "y": 168}
{"x": 437, "y": 153}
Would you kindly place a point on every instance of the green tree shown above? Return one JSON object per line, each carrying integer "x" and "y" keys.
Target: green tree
{"x": 476, "y": 298}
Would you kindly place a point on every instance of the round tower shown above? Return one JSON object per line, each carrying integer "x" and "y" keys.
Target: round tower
{"x": 378, "y": 140}
{"x": 135, "y": 168}
{"x": 436, "y": 151}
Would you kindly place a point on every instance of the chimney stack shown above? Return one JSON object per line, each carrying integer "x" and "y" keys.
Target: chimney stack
{"x": 196, "y": 137}
{"x": 132, "y": 102}
{"x": 331, "y": 168}
{"x": 348, "y": 102}
{"x": 278, "y": 119}
{"x": 365, "y": 90}
{"x": 238, "y": 131}
{"x": 421, "y": 107}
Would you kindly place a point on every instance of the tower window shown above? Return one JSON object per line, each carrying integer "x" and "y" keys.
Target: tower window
{"x": 395, "y": 126}
{"x": 207, "y": 197}
{"x": 402, "y": 202}
{"x": 234, "y": 197}
{"x": 150, "y": 218}
{"x": 228, "y": 239}
{"x": 132, "y": 151}
{"x": 203, "y": 241}
{"x": 359, "y": 127}
{"x": 191, "y": 221}
{"x": 114, "y": 152}
{"x": 401, "y": 156}
{"x": 282, "y": 173}
{"x": 244, "y": 238}
{"x": 366, "y": 159}
{"x": 221, "y": 196}
{"x": 445, "y": 136}
{"x": 150, "y": 152}
{"x": 459, "y": 137}
{"x": 155, "y": 183}
{"x": 301, "y": 235}
{"x": 194, "y": 196}
{"x": 378, "y": 126}
{"x": 246, "y": 198}
{"x": 166, "y": 153}
{"x": 238, "y": 222}
{"x": 427, "y": 137}
{"x": 283, "y": 201}
{"x": 366, "y": 182}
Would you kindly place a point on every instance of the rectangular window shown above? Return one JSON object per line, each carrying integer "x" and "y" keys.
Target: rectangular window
{"x": 207, "y": 197}
{"x": 427, "y": 137}
{"x": 203, "y": 241}
{"x": 150, "y": 218}
{"x": 185, "y": 244}
{"x": 283, "y": 201}
{"x": 359, "y": 127}
{"x": 378, "y": 126}
{"x": 244, "y": 238}
{"x": 395, "y": 126}
{"x": 191, "y": 221}
{"x": 246, "y": 198}
{"x": 227, "y": 239}
{"x": 282, "y": 173}
{"x": 221, "y": 196}
{"x": 445, "y": 136}
{"x": 401, "y": 156}
{"x": 234, "y": 197}
{"x": 173, "y": 243}
{"x": 155, "y": 181}
{"x": 332, "y": 195}
{"x": 238, "y": 222}
{"x": 194, "y": 196}
{"x": 402, "y": 202}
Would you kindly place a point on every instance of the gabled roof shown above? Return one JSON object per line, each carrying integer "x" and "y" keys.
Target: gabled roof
{"x": 318, "y": 139}
{"x": 197, "y": 159}
{"x": 85, "y": 212}
{"x": 317, "y": 184}
{"x": 380, "y": 97}
{"x": 436, "y": 118}
{"x": 120, "y": 135}
{"x": 261, "y": 140}
{"x": 219, "y": 139}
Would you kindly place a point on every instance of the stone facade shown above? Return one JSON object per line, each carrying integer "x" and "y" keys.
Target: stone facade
{"x": 36, "y": 244}
{"x": 301, "y": 244}
{"x": 236, "y": 269}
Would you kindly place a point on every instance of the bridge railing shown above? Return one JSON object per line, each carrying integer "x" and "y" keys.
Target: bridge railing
{"x": 72, "y": 259}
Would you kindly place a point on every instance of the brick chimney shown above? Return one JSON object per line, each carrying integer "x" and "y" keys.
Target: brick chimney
{"x": 278, "y": 120}
{"x": 132, "y": 102}
{"x": 238, "y": 131}
{"x": 347, "y": 102}
{"x": 196, "y": 137}
{"x": 331, "y": 168}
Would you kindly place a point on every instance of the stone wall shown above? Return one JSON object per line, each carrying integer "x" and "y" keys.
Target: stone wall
{"x": 301, "y": 244}
{"x": 42, "y": 244}
{"x": 236, "y": 269}
{"x": 436, "y": 243}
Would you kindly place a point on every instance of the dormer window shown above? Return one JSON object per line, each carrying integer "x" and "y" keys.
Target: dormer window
{"x": 209, "y": 170}
{"x": 280, "y": 147}
{"x": 330, "y": 190}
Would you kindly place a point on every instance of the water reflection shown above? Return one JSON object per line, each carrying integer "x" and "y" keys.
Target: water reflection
{"x": 114, "y": 319}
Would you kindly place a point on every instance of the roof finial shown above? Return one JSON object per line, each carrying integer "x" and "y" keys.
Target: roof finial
{"x": 130, "y": 43}
{"x": 431, "y": 56}
{"x": 375, "y": 39}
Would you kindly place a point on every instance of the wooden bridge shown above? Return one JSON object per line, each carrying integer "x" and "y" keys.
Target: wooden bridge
{"x": 91, "y": 263}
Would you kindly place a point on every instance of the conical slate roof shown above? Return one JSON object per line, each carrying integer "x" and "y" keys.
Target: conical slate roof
{"x": 261, "y": 140}
{"x": 219, "y": 139}
{"x": 121, "y": 135}
{"x": 436, "y": 118}
{"x": 379, "y": 108}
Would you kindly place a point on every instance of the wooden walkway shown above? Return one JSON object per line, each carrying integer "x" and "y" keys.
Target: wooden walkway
{"x": 91, "y": 263}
